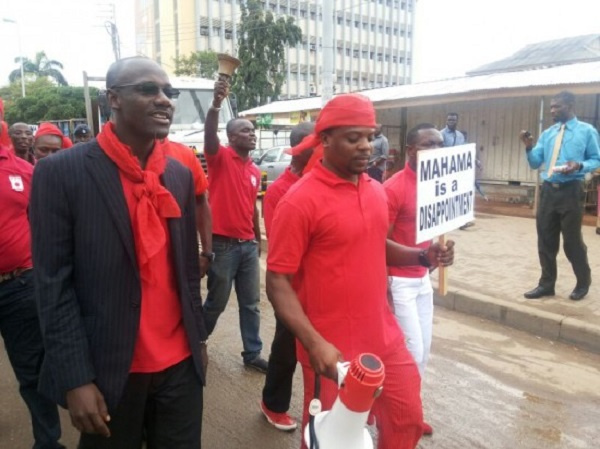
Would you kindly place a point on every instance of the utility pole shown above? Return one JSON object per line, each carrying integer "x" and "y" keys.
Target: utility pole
{"x": 111, "y": 28}
{"x": 328, "y": 51}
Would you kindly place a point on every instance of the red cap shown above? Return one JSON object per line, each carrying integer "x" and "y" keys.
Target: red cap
{"x": 49, "y": 129}
{"x": 342, "y": 110}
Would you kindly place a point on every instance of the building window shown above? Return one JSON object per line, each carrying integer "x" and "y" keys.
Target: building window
{"x": 203, "y": 30}
{"x": 355, "y": 54}
{"x": 347, "y": 52}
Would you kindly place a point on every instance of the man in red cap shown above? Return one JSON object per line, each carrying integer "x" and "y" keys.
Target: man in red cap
{"x": 327, "y": 275}
{"x": 48, "y": 140}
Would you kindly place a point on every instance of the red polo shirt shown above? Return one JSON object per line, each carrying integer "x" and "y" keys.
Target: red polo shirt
{"x": 186, "y": 156}
{"x": 161, "y": 340}
{"x": 331, "y": 235}
{"x": 274, "y": 193}
{"x": 234, "y": 184}
{"x": 15, "y": 187}
{"x": 401, "y": 191}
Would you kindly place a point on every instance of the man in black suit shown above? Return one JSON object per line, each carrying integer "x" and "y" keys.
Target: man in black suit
{"x": 118, "y": 278}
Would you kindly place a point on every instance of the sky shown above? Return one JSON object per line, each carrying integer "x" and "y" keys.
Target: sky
{"x": 452, "y": 36}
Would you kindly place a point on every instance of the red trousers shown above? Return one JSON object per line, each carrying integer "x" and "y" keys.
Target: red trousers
{"x": 398, "y": 410}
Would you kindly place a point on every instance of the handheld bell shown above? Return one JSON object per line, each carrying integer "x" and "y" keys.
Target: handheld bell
{"x": 227, "y": 64}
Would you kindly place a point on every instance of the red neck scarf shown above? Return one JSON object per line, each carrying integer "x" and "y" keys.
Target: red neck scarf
{"x": 154, "y": 202}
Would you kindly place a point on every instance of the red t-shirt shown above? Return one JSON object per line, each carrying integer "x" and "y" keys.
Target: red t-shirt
{"x": 331, "y": 235}
{"x": 234, "y": 184}
{"x": 274, "y": 193}
{"x": 401, "y": 191}
{"x": 186, "y": 156}
{"x": 15, "y": 188}
{"x": 161, "y": 340}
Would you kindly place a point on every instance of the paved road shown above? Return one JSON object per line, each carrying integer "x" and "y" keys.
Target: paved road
{"x": 487, "y": 387}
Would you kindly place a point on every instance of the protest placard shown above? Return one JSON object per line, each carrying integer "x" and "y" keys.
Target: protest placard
{"x": 445, "y": 190}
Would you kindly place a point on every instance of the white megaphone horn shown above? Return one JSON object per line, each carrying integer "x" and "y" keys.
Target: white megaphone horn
{"x": 344, "y": 426}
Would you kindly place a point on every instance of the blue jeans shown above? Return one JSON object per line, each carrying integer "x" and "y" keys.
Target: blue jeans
{"x": 235, "y": 261}
{"x": 20, "y": 330}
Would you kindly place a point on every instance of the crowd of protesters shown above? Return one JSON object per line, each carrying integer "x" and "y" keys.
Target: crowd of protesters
{"x": 100, "y": 306}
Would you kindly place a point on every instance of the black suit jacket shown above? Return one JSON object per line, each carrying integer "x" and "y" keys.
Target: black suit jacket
{"x": 87, "y": 281}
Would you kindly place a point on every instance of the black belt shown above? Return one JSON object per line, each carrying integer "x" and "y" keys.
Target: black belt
{"x": 223, "y": 238}
{"x": 12, "y": 274}
{"x": 561, "y": 185}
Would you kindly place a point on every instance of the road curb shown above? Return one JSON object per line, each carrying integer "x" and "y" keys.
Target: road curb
{"x": 538, "y": 322}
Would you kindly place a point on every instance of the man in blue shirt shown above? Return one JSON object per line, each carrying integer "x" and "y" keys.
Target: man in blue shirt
{"x": 569, "y": 149}
{"x": 452, "y": 137}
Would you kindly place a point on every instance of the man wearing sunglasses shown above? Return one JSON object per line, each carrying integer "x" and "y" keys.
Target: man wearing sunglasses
{"x": 234, "y": 184}
{"x": 118, "y": 286}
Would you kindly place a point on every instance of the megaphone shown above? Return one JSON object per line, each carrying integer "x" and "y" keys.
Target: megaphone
{"x": 344, "y": 426}
{"x": 227, "y": 64}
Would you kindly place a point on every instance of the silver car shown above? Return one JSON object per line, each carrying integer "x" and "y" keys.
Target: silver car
{"x": 274, "y": 161}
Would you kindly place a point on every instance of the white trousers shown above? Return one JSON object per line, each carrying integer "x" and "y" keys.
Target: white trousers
{"x": 413, "y": 308}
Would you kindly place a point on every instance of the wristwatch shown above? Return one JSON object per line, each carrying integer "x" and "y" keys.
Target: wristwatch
{"x": 423, "y": 259}
{"x": 209, "y": 256}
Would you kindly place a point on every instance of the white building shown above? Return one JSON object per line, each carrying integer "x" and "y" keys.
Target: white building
{"x": 373, "y": 38}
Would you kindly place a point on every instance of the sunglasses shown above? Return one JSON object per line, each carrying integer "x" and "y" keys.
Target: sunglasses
{"x": 150, "y": 89}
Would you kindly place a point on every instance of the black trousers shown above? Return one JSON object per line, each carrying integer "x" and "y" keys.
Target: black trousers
{"x": 165, "y": 407}
{"x": 20, "y": 329}
{"x": 277, "y": 392}
{"x": 561, "y": 211}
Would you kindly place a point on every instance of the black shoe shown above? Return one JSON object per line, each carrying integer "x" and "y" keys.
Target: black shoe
{"x": 538, "y": 292}
{"x": 579, "y": 293}
{"x": 259, "y": 364}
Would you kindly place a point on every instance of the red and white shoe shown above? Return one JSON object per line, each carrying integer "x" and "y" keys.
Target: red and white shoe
{"x": 281, "y": 421}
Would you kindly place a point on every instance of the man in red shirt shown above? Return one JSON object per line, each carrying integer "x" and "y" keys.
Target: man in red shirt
{"x": 277, "y": 392}
{"x": 21, "y": 137}
{"x": 234, "y": 184}
{"x": 410, "y": 285}
{"x": 19, "y": 324}
{"x": 327, "y": 275}
{"x": 117, "y": 275}
{"x": 186, "y": 156}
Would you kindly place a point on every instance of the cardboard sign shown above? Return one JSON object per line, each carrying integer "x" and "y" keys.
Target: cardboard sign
{"x": 445, "y": 190}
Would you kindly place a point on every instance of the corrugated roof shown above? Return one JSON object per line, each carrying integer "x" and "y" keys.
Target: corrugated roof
{"x": 548, "y": 53}
{"x": 581, "y": 78}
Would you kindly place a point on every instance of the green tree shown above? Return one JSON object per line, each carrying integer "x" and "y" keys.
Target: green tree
{"x": 45, "y": 101}
{"x": 41, "y": 67}
{"x": 199, "y": 63}
{"x": 262, "y": 40}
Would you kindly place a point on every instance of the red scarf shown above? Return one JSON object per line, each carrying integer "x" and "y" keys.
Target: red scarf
{"x": 154, "y": 201}
{"x": 49, "y": 129}
{"x": 341, "y": 110}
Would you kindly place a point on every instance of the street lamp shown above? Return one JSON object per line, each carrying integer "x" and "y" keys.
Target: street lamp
{"x": 4, "y": 19}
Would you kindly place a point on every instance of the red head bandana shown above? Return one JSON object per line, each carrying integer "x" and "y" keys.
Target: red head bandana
{"x": 342, "y": 110}
{"x": 48, "y": 129}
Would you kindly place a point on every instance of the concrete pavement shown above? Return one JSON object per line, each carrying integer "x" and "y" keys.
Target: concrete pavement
{"x": 496, "y": 262}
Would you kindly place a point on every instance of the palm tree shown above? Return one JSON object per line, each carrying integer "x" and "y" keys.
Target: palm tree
{"x": 41, "y": 67}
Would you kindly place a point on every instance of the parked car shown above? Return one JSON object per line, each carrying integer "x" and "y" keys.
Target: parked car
{"x": 274, "y": 161}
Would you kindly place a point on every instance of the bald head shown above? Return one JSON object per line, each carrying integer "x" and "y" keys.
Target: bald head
{"x": 121, "y": 68}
